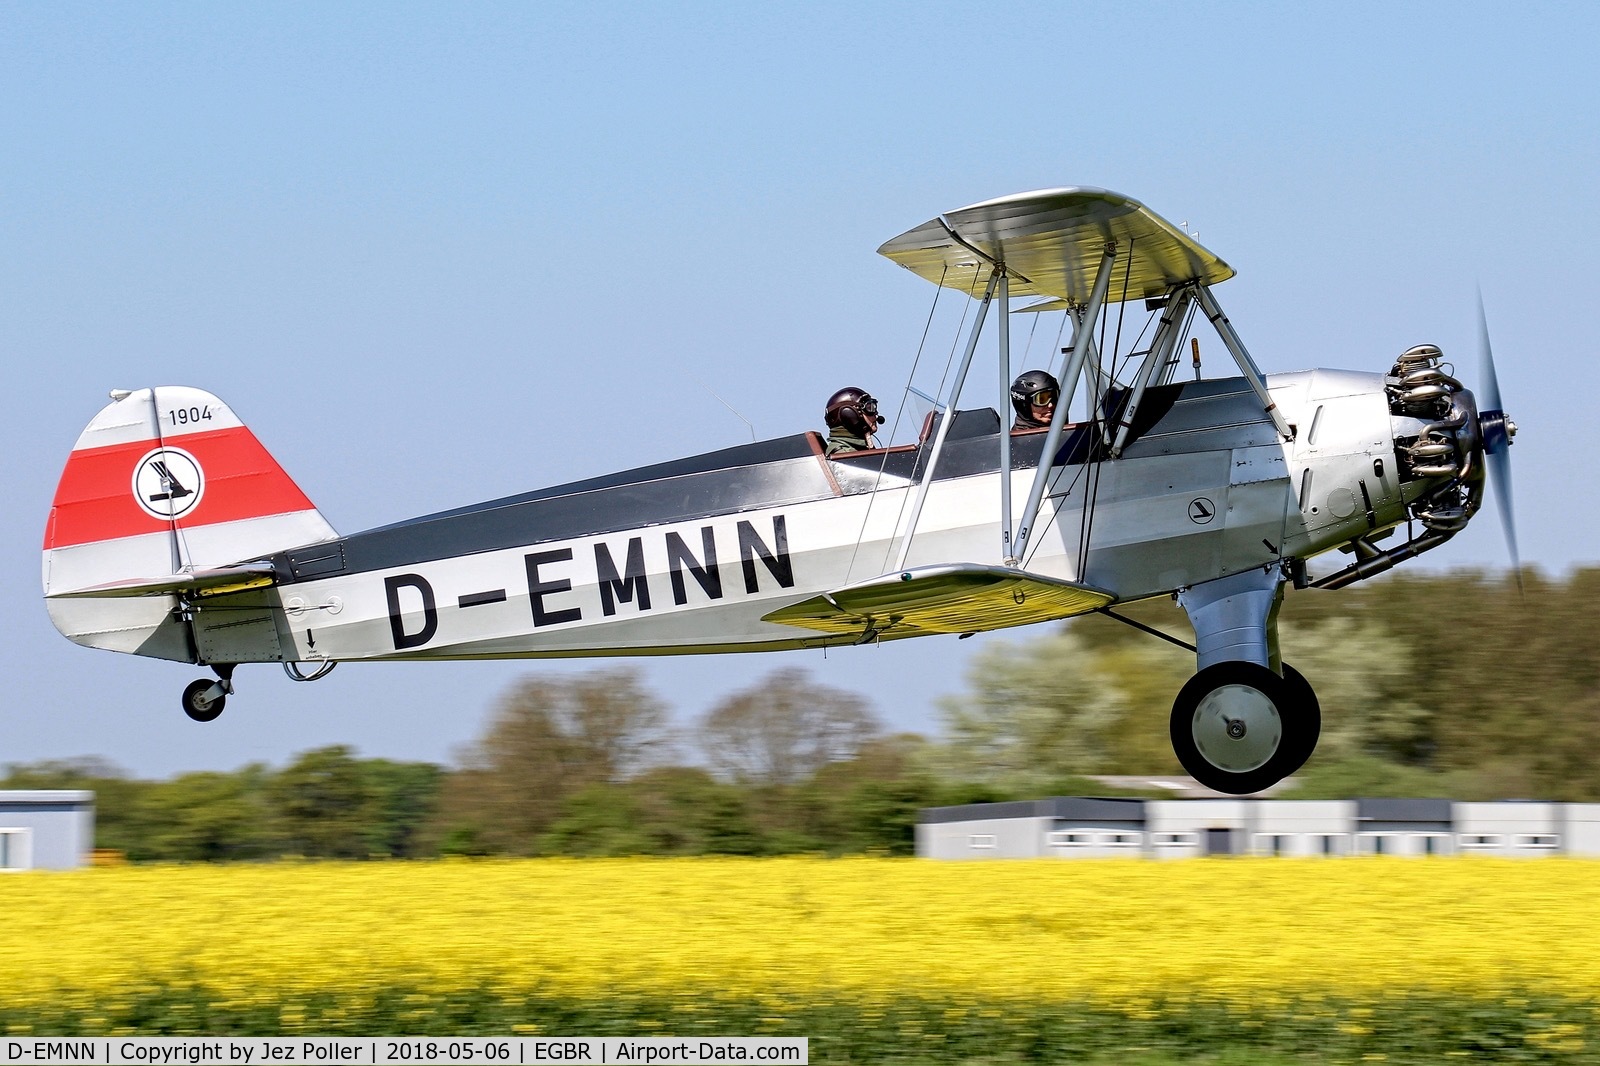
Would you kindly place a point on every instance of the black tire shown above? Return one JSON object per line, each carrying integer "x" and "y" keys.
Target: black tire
{"x": 1238, "y": 728}
{"x": 194, "y": 704}
{"x": 1303, "y": 694}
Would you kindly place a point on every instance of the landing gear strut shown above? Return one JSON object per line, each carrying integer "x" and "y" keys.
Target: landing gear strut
{"x": 204, "y": 698}
{"x": 1240, "y": 726}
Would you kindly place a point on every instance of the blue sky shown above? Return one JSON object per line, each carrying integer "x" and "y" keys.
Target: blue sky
{"x": 439, "y": 253}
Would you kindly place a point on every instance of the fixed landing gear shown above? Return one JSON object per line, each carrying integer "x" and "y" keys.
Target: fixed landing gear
{"x": 1239, "y": 728}
{"x": 204, "y": 699}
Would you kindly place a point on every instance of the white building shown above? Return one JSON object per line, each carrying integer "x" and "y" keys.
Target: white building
{"x": 1031, "y": 829}
{"x": 1081, "y": 827}
{"x": 45, "y": 830}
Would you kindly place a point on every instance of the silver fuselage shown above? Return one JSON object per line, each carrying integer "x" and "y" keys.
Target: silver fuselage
{"x": 689, "y": 556}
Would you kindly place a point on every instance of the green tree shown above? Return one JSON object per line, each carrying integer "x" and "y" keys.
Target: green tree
{"x": 881, "y": 816}
{"x": 204, "y": 817}
{"x": 1364, "y": 688}
{"x": 1035, "y": 710}
{"x": 599, "y": 820}
{"x": 857, "y": 804}
{"x": 401, "y": 797}
{"x": 668, "y": 811}
{"x": 320, "y": 803}
{"x": 1350, "y": 776}
{"x": 550, "y": 737}
{"x": 783, "y": 729}
{"x": 725, "y": 826}
{"x": 683, "y": 810}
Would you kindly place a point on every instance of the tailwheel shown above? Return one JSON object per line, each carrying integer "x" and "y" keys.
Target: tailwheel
{"x": 1239, "y": 728}
{"x": 204, "y": 699}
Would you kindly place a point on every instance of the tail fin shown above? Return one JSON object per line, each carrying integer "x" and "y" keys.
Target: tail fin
{"x": 163, "y": 483}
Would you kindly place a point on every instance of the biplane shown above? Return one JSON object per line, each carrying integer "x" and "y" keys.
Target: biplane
{"x": 175, "y": 534}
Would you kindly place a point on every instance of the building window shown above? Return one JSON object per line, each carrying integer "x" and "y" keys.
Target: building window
{"x": 1219, "y": 840}
{"x": 16, "y": 852}
{"x": 1539, "y": 841}
{"x": 1378, "y": 844}
{"x": 1175, "y": 840}
{"x": 1122, "y": 840}
{"x": 1480, "y": 841}
{"x": 1067, "y": 838}
{"x": 1272, "y": 844}
{"x": 1330, "y": 844}
{"x": 981, "y": 840}
{"x": 1433, "y": 843}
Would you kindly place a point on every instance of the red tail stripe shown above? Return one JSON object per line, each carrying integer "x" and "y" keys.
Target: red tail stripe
{"x": 94, "y": 500}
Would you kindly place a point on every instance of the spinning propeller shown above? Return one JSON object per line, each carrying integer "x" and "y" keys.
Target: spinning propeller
{"x": 1498, "y": 431}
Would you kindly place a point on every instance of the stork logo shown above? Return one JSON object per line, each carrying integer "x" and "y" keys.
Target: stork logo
{"x": 168, "y": 483}
{"x": 1201, "y": 511}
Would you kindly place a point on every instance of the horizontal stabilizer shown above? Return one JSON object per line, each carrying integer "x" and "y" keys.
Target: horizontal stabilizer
{"x": 958, "y": 598}
{"x": 199, "y": 583}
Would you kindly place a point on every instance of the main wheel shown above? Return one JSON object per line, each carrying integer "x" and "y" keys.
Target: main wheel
{"x": 1239, "y": 728}
{"x": 203, "y": 700}
{"x": 1303, "y": 694}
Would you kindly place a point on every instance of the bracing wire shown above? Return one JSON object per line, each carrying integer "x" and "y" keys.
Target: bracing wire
{"x": 955, "y": 341}
{"x": 1089, "y": 471}
{"x": 1188, "y": 327}
{"x": 898, "y": 414}
{"x": 1089, "y": 421}
{"x": 1122, "y": 304}
{"x": 1056, "y": 351}
{"x": 1093, "y": 487}
{"x": 1150, "y": 320}
{"x": 921, "y": 343}
{"x": 1091, "y": 479}
{"x": 1078, "y": 476}
{"x": 949, "y": 412}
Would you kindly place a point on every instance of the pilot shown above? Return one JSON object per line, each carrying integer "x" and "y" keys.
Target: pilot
{"x": 1034, "y": 394}
{"x": 852, "y": 417}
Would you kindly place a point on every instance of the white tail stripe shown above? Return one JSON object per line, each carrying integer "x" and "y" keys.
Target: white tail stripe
{"x": 170, "y": 411}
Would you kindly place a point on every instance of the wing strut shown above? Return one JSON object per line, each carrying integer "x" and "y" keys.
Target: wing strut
{"x": 1096, "y": 380}
{"x": 1247, "y": 366}
{"x": 1155, "y": 361}
{"x": 1005, "y": 430}
{"x": 1081, "y": 344}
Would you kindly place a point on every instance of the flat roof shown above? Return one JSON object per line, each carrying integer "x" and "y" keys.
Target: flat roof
{"x": 1074, "y": 808}
{"x": 63, "y": 796}
{"x": 1403, "y": 810}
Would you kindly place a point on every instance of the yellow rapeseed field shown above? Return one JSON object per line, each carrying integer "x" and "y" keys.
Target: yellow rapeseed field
{"x": 1117, "y": 934}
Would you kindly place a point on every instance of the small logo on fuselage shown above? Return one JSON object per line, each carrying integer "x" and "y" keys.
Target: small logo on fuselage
{"x": 1201, "y": 511}
{"x": 168, "y": 483}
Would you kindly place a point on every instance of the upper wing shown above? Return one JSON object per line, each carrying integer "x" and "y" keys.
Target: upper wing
{"x": 1051, "y": 243}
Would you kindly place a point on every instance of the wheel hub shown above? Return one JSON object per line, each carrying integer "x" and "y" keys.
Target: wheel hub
{"x": 1237, "y": 728}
